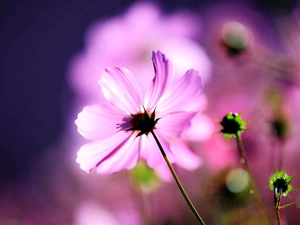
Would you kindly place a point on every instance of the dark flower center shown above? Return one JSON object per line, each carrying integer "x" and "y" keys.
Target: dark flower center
{"x": 281, "y": 184}
{"x": 143, "y": 122}
{"x": 232, "y": 124}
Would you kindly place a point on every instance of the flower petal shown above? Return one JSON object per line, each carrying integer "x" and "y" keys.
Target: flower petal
{"x": 173, "y": 124}
{"x": 150, "y": 150}
{"x": 183, "y": 94}
{"x": 121, "y": 89}
{"x": 163, "y": 73}
{"x": 185, "y": 157}
{"x": 91, "y": 155}
{"x": 123, "y": 157}
{"x": 97, "y": 122}
{"x": 201, "y": 129}
{"x": 164, "y": 172}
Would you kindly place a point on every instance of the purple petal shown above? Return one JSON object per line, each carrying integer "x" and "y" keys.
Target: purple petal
{"x": 150, "y": 150}
{"x": 97, "y": 122}
{"x": 185, "y": 157}
{"x": 201, "y": 129}
{"x": 183, "y": 94}
{"x": 164, "y": 172}
{"x": 121, "y": 89}
{"x": 172, "y": 125}
{"x": 123, "y": 157}
{"x": 91, "y": 155}
{"x": 163, "y": 73}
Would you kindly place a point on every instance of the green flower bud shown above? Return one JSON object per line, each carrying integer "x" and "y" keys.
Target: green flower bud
{"x": 235, "y": 38}
{"x": 233, "y": 125}
{"x": 280, "y": 182}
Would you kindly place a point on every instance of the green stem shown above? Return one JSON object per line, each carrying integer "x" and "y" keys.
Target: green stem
{"x": 178, "y": 181}
{"x": 252, "y": 183}
{"x": 283, "y": 206}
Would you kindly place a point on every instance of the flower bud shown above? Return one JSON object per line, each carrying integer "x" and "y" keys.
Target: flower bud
{"x": 235, "y": 38}
{"x": 233, "y": 125}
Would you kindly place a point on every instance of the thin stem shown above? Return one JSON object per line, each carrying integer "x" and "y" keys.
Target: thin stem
{"x": 277, "y": 198}
{"x": 178, "y": 181}
{"x": 278, "y": 215}
{"x": 252, "y": 183}
{"x": 283, "y": 206}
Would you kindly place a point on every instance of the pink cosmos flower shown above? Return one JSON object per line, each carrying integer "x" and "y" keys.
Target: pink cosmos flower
{"x": 119, "y": 130}
{"x": 127, "y": 40}
{"x": 108, "y": 42}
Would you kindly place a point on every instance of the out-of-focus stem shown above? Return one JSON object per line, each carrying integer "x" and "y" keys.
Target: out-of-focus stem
{"x": 187, "y": 199}
{"x": 277, "y": 215}
{"x": 251, "y": 181}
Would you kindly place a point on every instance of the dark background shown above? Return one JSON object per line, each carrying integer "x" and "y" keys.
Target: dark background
{"x": 37, "y": 40}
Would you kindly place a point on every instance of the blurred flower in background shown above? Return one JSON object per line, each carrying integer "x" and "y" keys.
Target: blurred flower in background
{"x": 127, "y": 40}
